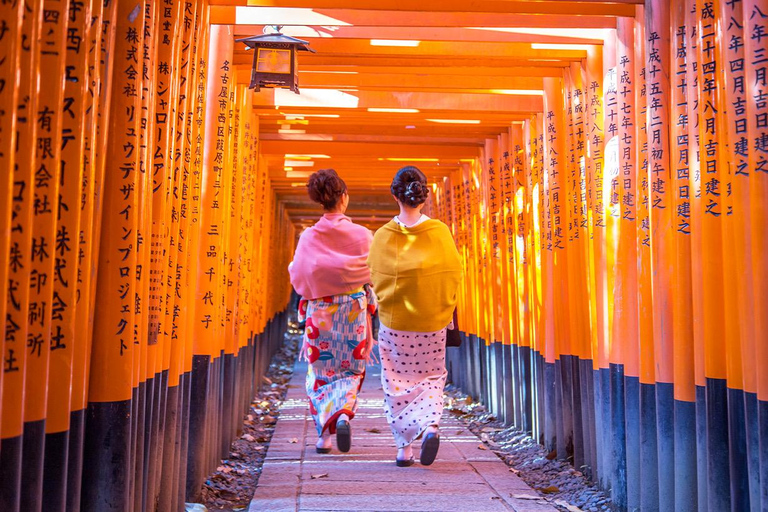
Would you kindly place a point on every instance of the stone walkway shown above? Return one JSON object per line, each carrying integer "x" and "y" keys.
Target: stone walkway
{"x": 463, "y": 478}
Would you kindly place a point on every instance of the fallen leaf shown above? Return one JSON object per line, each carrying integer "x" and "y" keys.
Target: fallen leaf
{"x": 525, "y": 497}
{"x": 491, "y": 429}
{"x": 267, "y": 379}
{"x": 551, "y": 455}
{"x": 249, "y": 438}
{"x": 373, "y": 430}
{"x": 548, "y": 490}
{"x": 567, "y": 506}
{"x": 321, "y": 475}
{"x": 482, "y": 447}
{"x": 269, "y": 419}
{"x": 294, "y": 440}
{"x": 514, "y": 471}
{"x": 458, "y": 433}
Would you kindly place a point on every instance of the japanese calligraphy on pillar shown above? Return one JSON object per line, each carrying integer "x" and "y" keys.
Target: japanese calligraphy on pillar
{"x": 183, "y": 178}
{"x": 19, "y": 262}
{"x": 713, "y": 191}
{"x": 658, "y": 109}
{"x": 11, "y": 15}
{"x": 756, "y": 55}
{"x": 641, "y": 134}
{"x": 554, "y": 147}
{"x": 595, "y": 140}
{"x": 506, "y": 178}
{"x": 612, "y": 167}
{"x": 579, "y": 176}
{"x": 44, "y": 305}
{"x": 494, "y": 199}
{"x": 736, "y": 95}
{"x": 209, "y": 288}
{"x": 164, "y": 205}
{"x": 115, "y": 293}
{"x": 681, "y": 155}
{"x": 86, "y": 264}
{"x": 756, "y": 76}
{"x": 69, "y": 212}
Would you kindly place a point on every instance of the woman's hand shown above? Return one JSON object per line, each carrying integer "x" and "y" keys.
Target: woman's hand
{"x": 370, "y": 357}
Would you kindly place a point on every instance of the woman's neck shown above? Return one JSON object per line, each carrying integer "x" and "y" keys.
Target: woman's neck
{"x": 409, "y": 216}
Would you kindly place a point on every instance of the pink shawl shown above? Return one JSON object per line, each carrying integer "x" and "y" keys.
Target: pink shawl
{"x": 330, "y": 258}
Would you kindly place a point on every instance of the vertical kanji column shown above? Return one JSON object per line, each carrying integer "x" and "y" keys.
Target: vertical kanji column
{"x": 207, "y": 325}
{"x": 597, "y": 257}
{"x": 98, "y": 46}
{"x": 756, "y": 79}
{"x": 657, "y": 42}
{"x": 43, "y": 304}
{"x": 64, "y": 336}
{"x": 680, "y": 157}
{"x": 11, "y": 16}
{"x": 712, "y": 207}
{"x": 27, "y": 18}
{"x": 107, "y": 476}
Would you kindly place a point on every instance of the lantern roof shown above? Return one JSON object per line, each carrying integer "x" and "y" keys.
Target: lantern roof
{"x": 254, "y": 41}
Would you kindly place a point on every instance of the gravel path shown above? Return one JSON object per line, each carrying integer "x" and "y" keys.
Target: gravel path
{"x": 557, "y": 481}
{"x": 232, "y": 485}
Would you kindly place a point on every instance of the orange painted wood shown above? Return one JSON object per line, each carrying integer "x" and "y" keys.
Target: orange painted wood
{"x": 149, "y": 353}
{"x": 494, "y": 6}
{"x": 64, "y": 335}
{"x": 165, "y": 205}
{"x": 657, "y": 43}
{"x": 684, "y": 372}
{"x": 112, "y": 356}
{"x": 625, "y": 324}
{"x": 87, "y": 264}
{"x": 43, "y": 303}
{"x": 712, "y": 158}
{"x": 596, "y": 209}
{"x": 758, "y": 133}
{"x": 229, "y": 15}
{"x": 10, "y": 42}
{"x": 17, "y": 309}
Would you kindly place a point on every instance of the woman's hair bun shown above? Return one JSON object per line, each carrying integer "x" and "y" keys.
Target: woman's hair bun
{"x": 326, "y": 187}
{"x": 409, "y": 186}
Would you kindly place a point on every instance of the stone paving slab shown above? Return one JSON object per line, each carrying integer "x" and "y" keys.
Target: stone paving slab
{"x": 463, "y": 478}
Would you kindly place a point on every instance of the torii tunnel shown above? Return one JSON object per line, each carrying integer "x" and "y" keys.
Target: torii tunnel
{"x": 603, "y": 167}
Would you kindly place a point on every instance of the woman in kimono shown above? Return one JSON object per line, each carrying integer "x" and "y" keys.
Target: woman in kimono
{"x": 416, "y": 271}
{"x": 329, "y": 271}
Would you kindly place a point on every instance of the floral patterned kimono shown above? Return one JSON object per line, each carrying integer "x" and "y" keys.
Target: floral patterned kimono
{"x": 338, "y": 341}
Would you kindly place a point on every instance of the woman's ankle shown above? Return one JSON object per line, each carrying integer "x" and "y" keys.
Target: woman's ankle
{"x": 324, "y": 440}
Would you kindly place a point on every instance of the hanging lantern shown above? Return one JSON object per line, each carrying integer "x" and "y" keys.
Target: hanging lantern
{"x": 274, "y": 60}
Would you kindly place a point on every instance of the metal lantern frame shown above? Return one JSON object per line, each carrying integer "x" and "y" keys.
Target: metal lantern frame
{"x": 276, "y": 41}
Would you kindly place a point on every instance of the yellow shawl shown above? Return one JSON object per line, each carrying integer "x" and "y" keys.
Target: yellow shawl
{"x": 416, "y": 273}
